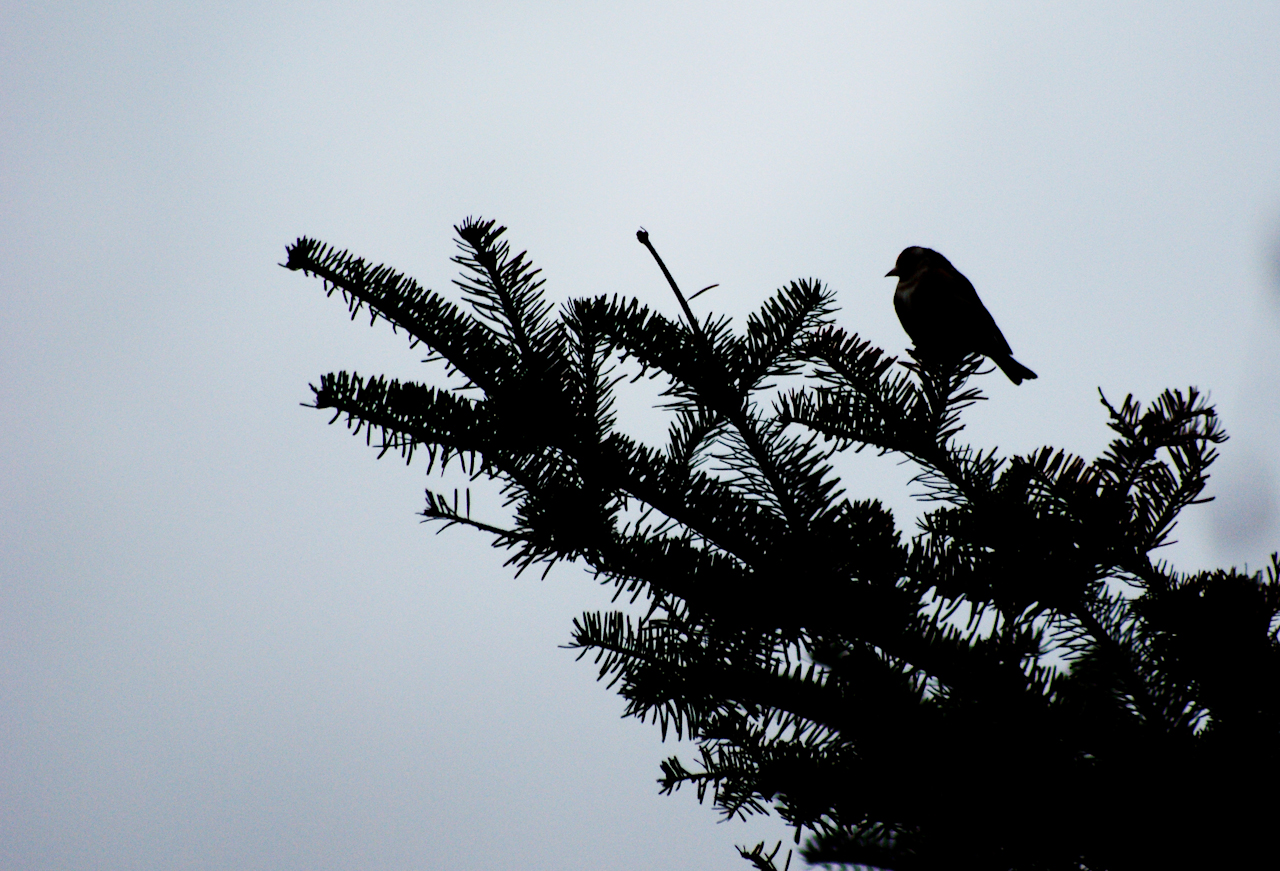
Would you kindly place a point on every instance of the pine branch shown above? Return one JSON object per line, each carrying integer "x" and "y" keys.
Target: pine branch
{"x": 464, "y": 343}
{"x": 504, "y": 289}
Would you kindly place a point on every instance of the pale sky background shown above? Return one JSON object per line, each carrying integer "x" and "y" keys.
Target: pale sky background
{"x": 226, "y": 641}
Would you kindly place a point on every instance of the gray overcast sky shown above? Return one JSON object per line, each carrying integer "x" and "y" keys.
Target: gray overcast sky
{"x": 225, "y": 641}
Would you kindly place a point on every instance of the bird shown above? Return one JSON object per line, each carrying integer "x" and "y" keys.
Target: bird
{"x": 942, "y": 314}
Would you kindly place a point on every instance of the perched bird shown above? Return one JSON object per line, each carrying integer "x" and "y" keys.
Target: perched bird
{"x": 942, "y": 314}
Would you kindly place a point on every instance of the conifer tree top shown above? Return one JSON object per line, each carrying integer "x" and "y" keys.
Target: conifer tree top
{"x": 1016, "y": 684}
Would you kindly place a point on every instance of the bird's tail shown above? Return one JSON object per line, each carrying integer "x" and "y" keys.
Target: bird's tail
{"x": 1016, "y": 371}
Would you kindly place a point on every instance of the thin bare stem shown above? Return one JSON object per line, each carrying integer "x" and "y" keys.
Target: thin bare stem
{"x": 643, "y": 235}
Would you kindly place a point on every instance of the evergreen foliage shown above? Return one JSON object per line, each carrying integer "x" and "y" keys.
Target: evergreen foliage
{"x": 1018, "y": 685}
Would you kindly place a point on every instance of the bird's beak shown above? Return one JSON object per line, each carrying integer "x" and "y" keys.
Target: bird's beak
{"x": 893, "y": 271}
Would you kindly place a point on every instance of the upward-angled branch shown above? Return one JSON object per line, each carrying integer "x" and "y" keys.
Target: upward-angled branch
{"x": 643, "y": 236}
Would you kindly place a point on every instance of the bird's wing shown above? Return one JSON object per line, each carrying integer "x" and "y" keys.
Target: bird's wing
{"x": 981, "y": 326}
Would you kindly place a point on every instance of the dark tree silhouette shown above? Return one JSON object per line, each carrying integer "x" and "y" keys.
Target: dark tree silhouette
{"x": 1018, "y": 685}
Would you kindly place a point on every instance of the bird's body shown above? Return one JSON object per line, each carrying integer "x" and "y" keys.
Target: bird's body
{"x": 943, "y": 315}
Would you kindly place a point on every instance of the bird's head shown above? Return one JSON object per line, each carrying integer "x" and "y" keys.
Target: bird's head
{"x": 914, "y": 259}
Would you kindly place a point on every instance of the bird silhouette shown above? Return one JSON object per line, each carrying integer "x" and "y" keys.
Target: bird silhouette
{"x": 942, "y": 314}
